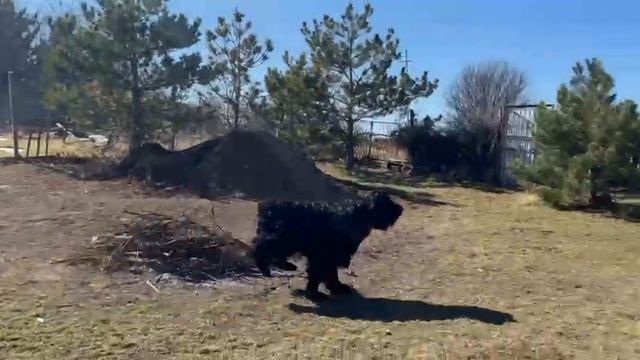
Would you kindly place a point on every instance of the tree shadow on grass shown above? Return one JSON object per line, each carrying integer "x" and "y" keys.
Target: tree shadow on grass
{"x": 386, "y": 183}
{"x": 484, "y": 187}
{"x": 377, "y": 175}
{"x": 357, "y": 307}
{"x": 374, "y": 175}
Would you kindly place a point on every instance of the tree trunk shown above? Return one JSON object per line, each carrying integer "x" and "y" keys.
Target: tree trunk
{"x": 351, "y": 141}
{"x": 237, "y": 97}
{"x": 236, "y": 114}
{"x": 136, "y": 108}
{"x": 600, "y": 193}
{"x": 350, "y": 144}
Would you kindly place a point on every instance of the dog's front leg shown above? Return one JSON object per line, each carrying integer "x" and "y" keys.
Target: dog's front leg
{"x": 316, "y": 274}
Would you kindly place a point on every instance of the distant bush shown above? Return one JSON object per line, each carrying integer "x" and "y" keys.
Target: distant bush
{"x": 444, "y": 151}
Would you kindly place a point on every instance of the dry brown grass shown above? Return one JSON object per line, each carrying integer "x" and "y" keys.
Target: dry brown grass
{"x": 570, "y": 280}
{"x": 56, "y": 147}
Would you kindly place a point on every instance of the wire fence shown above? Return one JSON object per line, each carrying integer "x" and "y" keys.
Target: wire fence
{"x": 378, "y": 143}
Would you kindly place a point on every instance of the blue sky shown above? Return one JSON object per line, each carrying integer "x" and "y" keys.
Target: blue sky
{"x": 542, "y": 37}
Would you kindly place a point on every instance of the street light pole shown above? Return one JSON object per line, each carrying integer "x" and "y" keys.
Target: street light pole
{"x": 14, "y": 133}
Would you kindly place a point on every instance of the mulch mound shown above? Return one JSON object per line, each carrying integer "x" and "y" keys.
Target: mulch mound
{"x": 249, "y": 164}
{"x": 167, "y": 245}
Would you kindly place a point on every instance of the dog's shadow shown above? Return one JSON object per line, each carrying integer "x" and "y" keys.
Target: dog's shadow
{"x": 357, "y": 307}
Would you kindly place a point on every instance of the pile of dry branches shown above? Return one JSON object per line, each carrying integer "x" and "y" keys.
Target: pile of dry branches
{"x": 176, "y": 246}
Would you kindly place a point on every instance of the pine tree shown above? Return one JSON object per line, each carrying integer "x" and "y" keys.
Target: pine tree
{"x": 21, "y": 53}
{"x": 122, "y": 51}
{"x": 234, "y": 52}
{"x": 355, "y": 64}
{"x": 589, "y": 144}
{"x": 299, "y": 99}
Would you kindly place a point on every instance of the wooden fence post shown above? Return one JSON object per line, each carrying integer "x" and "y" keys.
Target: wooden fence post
{"x": 29, "y": 142}
{"x": 46, "y": 144}
{"x": 370, "y": 140}
{"x": 38, "y": 145}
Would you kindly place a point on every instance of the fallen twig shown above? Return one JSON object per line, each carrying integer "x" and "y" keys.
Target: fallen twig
{"x": 207, "y": 275}
{"x": 152, "y": 286}
{"x": 132, "y": 212}
{"x": 74, "y": 260}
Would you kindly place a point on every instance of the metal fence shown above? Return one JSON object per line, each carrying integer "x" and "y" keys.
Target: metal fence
{"x": 378, "y": 143}
{"x": 517, "y": 143}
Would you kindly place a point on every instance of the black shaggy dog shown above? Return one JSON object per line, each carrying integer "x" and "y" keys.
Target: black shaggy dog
{"x": 327, "y": 234}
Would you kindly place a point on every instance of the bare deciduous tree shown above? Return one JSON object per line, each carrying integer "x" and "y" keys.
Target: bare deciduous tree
{"x": 476, "y": 100}
{"x": 482, "y": 90}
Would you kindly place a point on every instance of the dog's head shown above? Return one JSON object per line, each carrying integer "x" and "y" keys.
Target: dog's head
{"x": 384, "y": 211}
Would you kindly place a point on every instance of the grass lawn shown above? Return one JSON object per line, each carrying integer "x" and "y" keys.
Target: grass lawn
{"x": 432, "y": 287}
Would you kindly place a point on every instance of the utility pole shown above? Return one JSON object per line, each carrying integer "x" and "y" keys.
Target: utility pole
{"x": 370, "y": 140}
{"x": 406, "y": 61}
{"x": 14, "y": 132}
{"x": 406, "y": 110}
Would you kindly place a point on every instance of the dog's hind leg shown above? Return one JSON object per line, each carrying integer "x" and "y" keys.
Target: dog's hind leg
{"x": 334, "y": 285}
{"x": 262, "y": 256}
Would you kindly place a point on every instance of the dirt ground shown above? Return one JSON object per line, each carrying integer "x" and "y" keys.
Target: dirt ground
{"x": 436, "y": 286}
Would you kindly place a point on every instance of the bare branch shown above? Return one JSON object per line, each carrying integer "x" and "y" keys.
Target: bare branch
{"x": 481, "y": 91}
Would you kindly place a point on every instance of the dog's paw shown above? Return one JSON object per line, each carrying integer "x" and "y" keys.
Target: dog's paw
{"x": 316, "y": 296}
{"x": 264, "y": 270}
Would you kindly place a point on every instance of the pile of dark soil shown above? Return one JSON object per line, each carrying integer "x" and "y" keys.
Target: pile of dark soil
{"x": 172, "y": 246}
{"x": 250, "y": 164}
